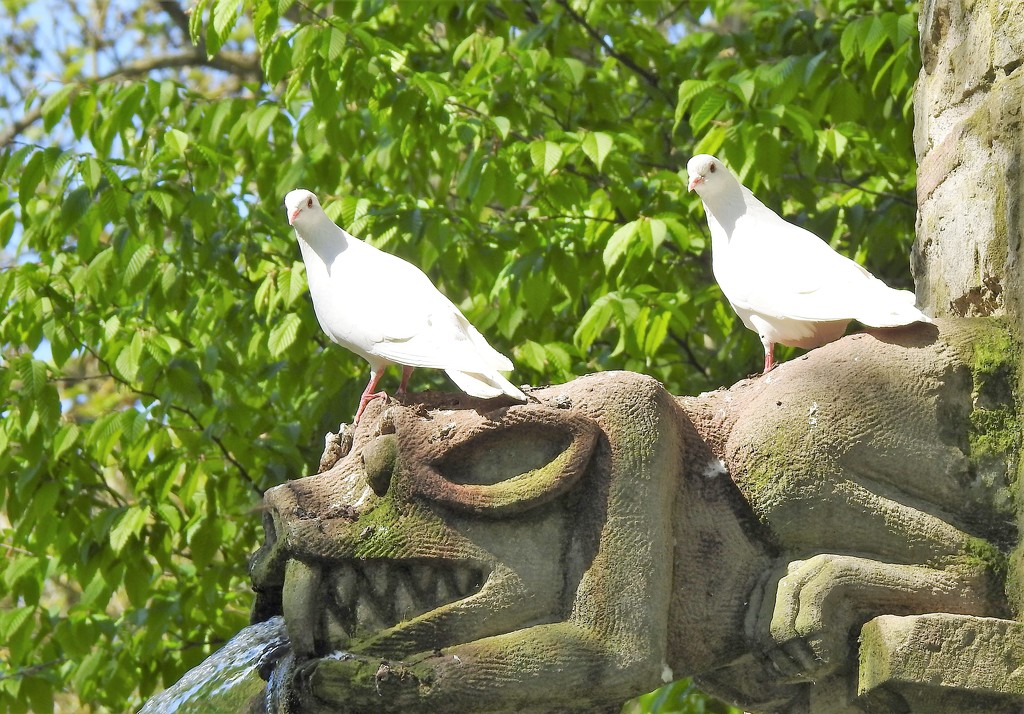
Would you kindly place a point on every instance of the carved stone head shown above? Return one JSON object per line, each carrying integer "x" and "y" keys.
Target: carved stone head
{"x": 458, "y": 540}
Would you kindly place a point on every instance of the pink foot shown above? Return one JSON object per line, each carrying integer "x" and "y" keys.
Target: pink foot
{"x": 364, "y": 400}
{"x": 369, "y": 394}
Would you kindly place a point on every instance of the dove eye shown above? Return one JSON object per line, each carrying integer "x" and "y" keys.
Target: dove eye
{"x": 711, "y": 168}
{"x": 309, "y": 203}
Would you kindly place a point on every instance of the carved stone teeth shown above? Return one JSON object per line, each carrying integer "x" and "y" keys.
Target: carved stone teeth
{"x": 424, "y": 579}
{"x": 377, "y": 575}
{"x": 369, "y": 615}
{"x": 465, "y": 581}
{"x": 345, "y": 586}
{"x": 371, "y": 595}
{"x": 338, "y": 630}
{"x": 405, "y": 605}
{"x": 445, "y": 592}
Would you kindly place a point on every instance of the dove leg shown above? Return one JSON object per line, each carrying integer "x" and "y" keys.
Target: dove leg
{"x": 368, "y": 393}
{"x": 406, "y": 373}
{"x": 769, "y": 359}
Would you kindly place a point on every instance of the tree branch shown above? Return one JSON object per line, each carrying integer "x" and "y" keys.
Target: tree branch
{"x": 241, "y": 65}
{"x": 627, "y": 61}
{"x": 177, "y": 15}
{"x": 690, "y": 356}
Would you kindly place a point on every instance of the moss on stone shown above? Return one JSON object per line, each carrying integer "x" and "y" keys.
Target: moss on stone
{"x": 983, "y": 553}
{"x": 995, "y": 437}
{"x": 995, "y": 427}
{"x": 378, "y": 531}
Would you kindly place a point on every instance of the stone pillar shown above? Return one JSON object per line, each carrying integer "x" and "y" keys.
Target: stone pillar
{"x": 969, "y": 138}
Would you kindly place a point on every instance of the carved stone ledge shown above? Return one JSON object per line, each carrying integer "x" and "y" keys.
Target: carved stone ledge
{"x": 472, "y": 557}
{"x": 942, "y": 662}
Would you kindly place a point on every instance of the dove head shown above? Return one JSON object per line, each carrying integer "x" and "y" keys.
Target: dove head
{"x": 706, "y": 174}
{"x": 300, "y": 203}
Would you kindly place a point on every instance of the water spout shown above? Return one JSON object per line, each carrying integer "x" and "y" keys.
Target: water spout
{"x": 232, "y": 679}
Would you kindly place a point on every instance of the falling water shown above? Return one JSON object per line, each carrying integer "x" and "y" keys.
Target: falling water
{"x": 231, "y": 680}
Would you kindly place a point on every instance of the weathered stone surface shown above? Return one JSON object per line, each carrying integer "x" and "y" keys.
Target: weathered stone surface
{"x": 563, "y": 555}
{"x": 936, "y": 662}
{"x": 969, "y": 137}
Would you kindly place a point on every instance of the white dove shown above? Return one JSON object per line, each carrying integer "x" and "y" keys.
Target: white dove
{"x": 387, "y": 311}
{"x": 784, "y": 282}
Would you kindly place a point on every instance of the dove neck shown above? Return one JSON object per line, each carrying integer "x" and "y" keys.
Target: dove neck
{"x": 327, "y": 242}
{"x": 724, "y": 207}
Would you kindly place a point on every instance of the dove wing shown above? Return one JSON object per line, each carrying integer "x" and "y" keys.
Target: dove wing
{"x": 416, "y": 325}
{"x": 790, "y": 273}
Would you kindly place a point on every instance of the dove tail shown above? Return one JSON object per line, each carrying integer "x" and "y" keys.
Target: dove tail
{"x": 485, "y": 386}
{"x": 894, "y": 309}
{"x": 495, "y": 360}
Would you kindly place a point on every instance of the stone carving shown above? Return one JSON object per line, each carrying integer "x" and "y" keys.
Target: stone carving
{"x": 834, "y": 537}
{"x": 969, "y": 139}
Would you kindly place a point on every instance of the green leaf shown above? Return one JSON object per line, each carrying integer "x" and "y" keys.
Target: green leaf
{"x": 596, "y": 145}
{"x": 129, "y": 525}
{"x": 130, "y": 356}
{"x": 531, "y": 355}
{"x": 575, "y": 69}
{"x": 136, "y": 264}
{"x": 502, "y": 124}
{"x": 195, "y": 21}
{"x": 657, "y": 331}
{"x": 83, "y": 111}
{"x": 225, "y": 12}
{"x": 545, "y": 155}
{"x": 30, "y": 178}
{"x": 705, "y": 109}
{"x": 873, "y": 39}
{"x": 655, "y": 231}
{"x": 176, "y": 141}
{"x": 54, "y": 106}
{"x": 594, "y": 321}
{"x": 460, "y": 50}
{"x": 33, "y": 375}
{"x": 618, "y": 244}
{"x": 283, "y": 334}
{"x": 260, "y": 120}
{"x": 65, "y": 439}
{"x": 336, "y": 44}
{"x": 13, "y": 619}
{"x": 7, "y": 221}
{"x": 690, "y": 88}
{"x": 76, "y": 203}
{"x": 91, "y": 172}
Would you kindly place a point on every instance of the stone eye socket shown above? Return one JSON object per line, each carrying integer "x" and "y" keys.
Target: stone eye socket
{"x": 711, "y": 168}
{"x": 309, "y": 203}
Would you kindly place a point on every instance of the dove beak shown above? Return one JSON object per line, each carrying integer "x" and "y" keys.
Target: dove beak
{"x": 294, "y": 214}
{"x": 694, "y": 181}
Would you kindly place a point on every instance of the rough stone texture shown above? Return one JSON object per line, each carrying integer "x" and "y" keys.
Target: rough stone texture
{"x": 973, "y": 663}
{"x": 480, "y": 551}
{"x": 969, "y": 137}
{"x": 566, "y": 554}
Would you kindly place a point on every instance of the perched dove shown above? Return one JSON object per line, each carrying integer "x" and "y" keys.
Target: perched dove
{"x": 784, "y": 282}
{"x": 387, "y": 311}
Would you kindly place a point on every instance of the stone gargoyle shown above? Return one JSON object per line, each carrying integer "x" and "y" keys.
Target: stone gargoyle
{"x": 837, "y": 536}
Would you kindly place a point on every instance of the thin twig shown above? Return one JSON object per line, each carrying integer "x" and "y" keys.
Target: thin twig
{"x": 647, "y": 75}
{"x": 27, "y": 671}
{"x": 690, "y": 356}
{"x": 231, "y": 62}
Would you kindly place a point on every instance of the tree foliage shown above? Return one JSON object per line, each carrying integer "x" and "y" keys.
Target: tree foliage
{"x": 160, "y": 364}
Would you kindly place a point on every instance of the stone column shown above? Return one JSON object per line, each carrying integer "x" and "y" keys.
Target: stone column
{"x": 969, "y": 138}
